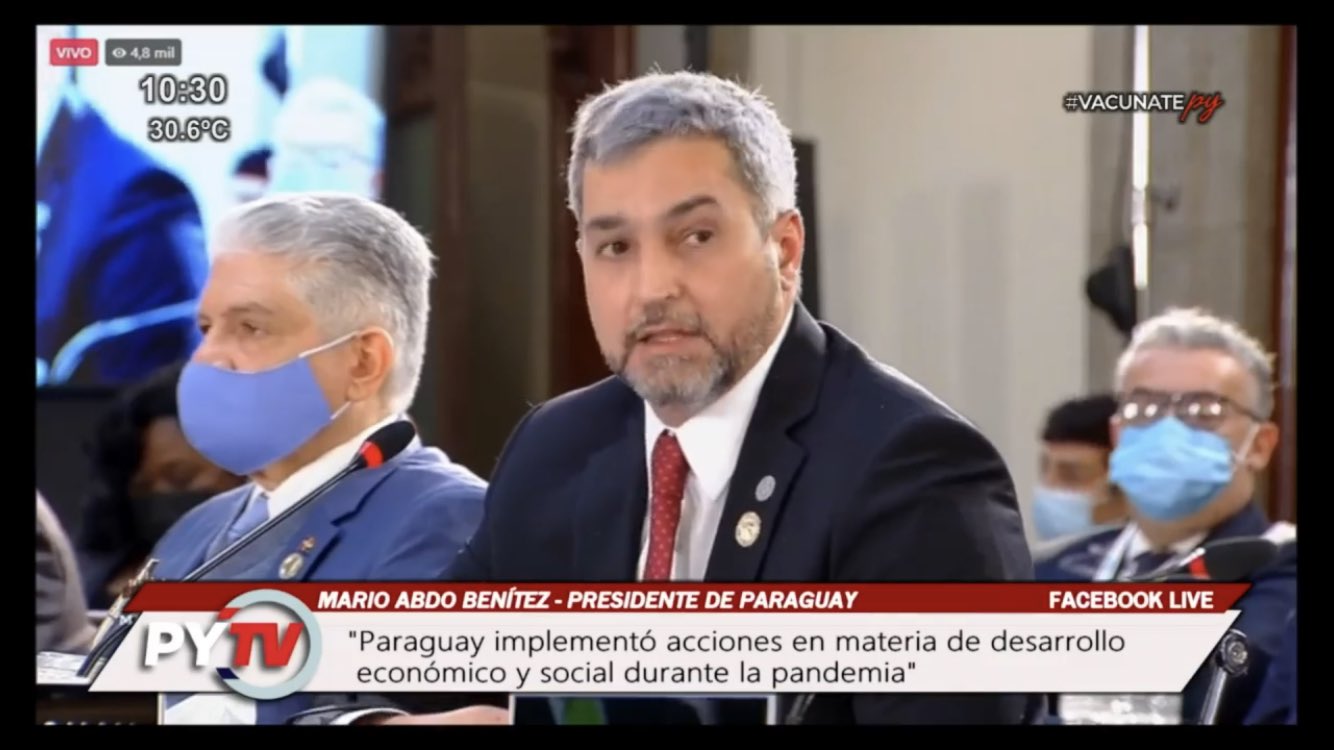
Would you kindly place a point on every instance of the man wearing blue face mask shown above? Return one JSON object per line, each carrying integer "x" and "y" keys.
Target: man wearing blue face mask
{"x": 1074, "y": 498}
{"x": 314, "y": 332}
{"x": 1192, "y": 433}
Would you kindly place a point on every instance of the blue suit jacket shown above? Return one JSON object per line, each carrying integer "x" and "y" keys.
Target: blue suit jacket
{"x": 1276, "y": 702}
{"x": 123, "y": 235}
{"x": 404, "y": 521}
{"x": 873, "y": 480}
{"x": 1264, "y": 608}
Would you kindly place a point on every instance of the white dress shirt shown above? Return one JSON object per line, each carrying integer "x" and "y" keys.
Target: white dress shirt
{"x": 1139, "y": 544}
{"x": 711, "y": 441}
{"x": 227, "y": 707}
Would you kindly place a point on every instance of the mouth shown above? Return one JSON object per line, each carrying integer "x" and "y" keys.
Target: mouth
{"x": 665, "y": 336}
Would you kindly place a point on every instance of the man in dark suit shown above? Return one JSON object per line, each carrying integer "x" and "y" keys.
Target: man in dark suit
{"x": 118, "y": 238}
{"x": 740, "y": 440}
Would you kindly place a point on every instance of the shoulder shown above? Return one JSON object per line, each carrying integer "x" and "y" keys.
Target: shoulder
{"x": 208, "y": 516}
{"x": 568, "y": 429}
{"x": 429, "y": 474}
{"x": 876, "y": 398}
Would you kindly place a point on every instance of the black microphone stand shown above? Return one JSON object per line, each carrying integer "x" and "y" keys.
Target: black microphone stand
{"x": 1231, "y": 658}
{"x": 392, "y": 439}
{"x": 115, "y": 634}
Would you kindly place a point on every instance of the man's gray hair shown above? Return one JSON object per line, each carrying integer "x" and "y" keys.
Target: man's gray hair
{"x": 360, "y": 264}
{"x": 1181, "y": 328}
{"x": 684, "y": 104}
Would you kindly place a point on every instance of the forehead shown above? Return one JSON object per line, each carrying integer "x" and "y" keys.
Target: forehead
{"x": 243, "y": 277}
{"x": 1173, "y": 370}
{"x": 660, "y": 174}
{"x": 1074, "y": 453}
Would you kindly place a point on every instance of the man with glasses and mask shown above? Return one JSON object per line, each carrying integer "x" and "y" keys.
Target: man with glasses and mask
{"x": 1192, "y": 433}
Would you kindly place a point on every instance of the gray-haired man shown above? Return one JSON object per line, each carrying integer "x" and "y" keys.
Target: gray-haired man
{"x": 314, "y": 324}
{"x": 1193, "y": 430}
{"x": 739, "y": 439}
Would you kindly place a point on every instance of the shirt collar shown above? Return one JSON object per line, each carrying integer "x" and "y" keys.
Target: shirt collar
{"x": 306, "y": 479}
{"x": 1139, "y": 543}
{"x": 712, "y": 439}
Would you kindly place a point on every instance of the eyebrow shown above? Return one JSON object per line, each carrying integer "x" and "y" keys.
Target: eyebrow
{"x": 243, "y": 309}
{"x": 616, "y": 221}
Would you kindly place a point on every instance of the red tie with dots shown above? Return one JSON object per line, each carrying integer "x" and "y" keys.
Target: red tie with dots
{"x": 669, "y": 486}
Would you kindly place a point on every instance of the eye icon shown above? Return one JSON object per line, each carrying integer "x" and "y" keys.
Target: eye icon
{"x": 118, "y": 53}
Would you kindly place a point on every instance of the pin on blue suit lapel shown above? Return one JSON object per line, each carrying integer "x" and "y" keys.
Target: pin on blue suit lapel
{"x": 323, "y": 527}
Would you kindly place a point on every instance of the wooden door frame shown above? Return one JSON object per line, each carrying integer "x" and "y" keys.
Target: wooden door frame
{"x": 1283, "y": 468}
{"x": 425, "y": 74}
{"x": 582, "y": 60}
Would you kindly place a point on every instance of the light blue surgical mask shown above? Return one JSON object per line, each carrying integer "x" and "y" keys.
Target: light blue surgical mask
{"x": 1058, "y": 513}
{"x": 244, "y": 421}
{"x": 1169, "y": 470}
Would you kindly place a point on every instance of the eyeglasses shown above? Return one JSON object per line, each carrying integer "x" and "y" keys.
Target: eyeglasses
{"x": 1201, "y": 409}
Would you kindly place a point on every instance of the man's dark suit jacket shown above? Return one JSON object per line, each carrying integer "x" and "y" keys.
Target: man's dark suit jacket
{"x": 123, "y": 236}
{"x": 876, "y": 481}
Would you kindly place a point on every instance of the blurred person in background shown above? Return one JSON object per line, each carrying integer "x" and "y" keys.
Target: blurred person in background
{"x": 315, "y": 328}
{"x": 250, "y": 178}
{"x": 146, "y": 477}
{"x": 118, "y": 235}
{"x": 327, "y": 138}
{"x": 1193, "y": 433}
{"x": 1074, "y": 497}
{"x": 62, "y": 615}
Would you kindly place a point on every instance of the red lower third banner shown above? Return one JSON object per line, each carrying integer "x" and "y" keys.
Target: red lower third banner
{"x": 715, "y": 597}
{"x": 265, "y": 641}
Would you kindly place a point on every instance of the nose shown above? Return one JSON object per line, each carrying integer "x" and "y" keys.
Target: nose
{"x": 659, "y": 272}
{"x": 213, "y": 351}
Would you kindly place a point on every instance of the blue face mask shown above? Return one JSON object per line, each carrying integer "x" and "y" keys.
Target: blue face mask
{"x": 244, "y": 421}
{"x": 1058, "y": 513}
{"x": 1170, "y": 471}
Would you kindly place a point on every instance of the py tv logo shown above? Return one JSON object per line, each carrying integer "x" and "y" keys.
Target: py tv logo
{"x": 251, "y": 622}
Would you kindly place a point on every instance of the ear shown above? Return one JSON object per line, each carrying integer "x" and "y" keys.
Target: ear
{"x": 1262, "y": 447}
{"x": 1115, "y": 422}
{"x": 789, "y": 233}
{"x": 375, "y": 355}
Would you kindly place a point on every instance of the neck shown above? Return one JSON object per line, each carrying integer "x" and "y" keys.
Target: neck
{"x": 357, "y": 419}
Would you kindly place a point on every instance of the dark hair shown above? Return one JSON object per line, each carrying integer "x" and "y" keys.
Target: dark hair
{"x": 1082, "y": 420}
{"x": 115, "y": 450}
{"x": 254, "y": 162}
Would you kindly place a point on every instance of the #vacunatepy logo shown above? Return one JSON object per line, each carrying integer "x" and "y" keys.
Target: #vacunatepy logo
{"x": 229, "y": 644}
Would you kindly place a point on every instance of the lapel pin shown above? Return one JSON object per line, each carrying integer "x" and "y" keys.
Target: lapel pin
{"x": 765, "y": 489}
{"x": 748, "y": 529}
{"x": 307, "y": 544}
{"x": 290, "y": 566}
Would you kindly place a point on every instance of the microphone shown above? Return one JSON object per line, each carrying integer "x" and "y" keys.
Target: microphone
{"x": 1228, "y": 560}
{"x": 383, "y": 445}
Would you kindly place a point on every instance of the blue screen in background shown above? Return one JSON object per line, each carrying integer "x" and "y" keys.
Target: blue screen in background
{"x": 124, "y": 214}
